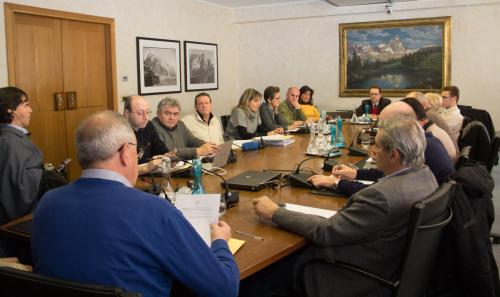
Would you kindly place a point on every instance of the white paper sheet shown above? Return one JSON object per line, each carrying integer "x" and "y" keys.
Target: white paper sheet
{"x": 237, "y": 144}
{"x": 200, "y": 211}
{"x": 310, "y": 210}
{"x": 366, "y": 182}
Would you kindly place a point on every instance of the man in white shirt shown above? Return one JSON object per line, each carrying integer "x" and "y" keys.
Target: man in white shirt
{"x": 203, "y": 124}
{"x": 451, "y": 113}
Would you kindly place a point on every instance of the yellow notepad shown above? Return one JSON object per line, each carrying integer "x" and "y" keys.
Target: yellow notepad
{"x": 235, "y": 245}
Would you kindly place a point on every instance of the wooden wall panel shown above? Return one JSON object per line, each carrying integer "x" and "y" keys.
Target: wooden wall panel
{"x": 38, "y": 60}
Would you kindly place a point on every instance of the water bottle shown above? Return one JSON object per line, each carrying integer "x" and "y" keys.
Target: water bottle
{"x": 323, "y": 115}
{"x": 333, "y": 130}
{"x": 197, "y": 172}
{"x": 339, "y": 139}
{"x": 166, "y": 184}
{"x": 354, "y": 117}
{"x": 312, "y": 148}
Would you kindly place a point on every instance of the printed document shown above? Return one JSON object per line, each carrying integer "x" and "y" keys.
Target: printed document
{"x": 201, "y": 211}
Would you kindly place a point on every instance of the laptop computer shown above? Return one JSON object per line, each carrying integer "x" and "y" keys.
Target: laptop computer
{"x": 220, "y": 158}
{"x": 252, "y": 180}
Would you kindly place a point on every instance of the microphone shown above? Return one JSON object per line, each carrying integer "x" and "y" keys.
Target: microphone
{"x": 231, "y": 197}
{"x": 300, "y": 164}
{"x": 300, "y": 179}
{"x": 329, "y": 162}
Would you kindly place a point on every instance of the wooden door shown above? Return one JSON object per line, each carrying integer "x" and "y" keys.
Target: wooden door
{"x": 38, "y": 72}
{"x": 52, "y": 51}
{"x": 85, "y": 72}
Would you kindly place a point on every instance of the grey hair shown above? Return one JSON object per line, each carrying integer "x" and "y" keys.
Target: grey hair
{"x": 168, "y": 102}
{"x": 100, "y": 136}
{"x": 405, "y": 135}
{"x": 417, "y": 95}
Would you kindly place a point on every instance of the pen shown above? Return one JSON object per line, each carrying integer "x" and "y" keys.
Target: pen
{"x": 249, "y": 234}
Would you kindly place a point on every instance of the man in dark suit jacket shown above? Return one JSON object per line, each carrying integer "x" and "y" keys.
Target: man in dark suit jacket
{"x": 370, "y": 230}
{"x": 376, "y": 102}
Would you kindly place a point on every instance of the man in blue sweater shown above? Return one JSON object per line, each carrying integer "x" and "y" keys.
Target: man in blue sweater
{"x": 101, "y": 230}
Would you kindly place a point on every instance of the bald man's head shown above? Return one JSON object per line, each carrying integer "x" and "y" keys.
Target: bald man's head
{"x": 292, "y": 95}
{"x": 136, "y": 110}
{"x": 395, "y": 110}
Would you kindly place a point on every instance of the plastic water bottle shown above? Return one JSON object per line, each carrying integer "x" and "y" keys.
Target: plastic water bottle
{"x": 354, "y": 117}
{"x": 197, "y": 172}
{"x": 333, "y": 130}
{"x": 339, "y": 139}
{"x": 323, "y": 115}
{"x": 312, "y": 148}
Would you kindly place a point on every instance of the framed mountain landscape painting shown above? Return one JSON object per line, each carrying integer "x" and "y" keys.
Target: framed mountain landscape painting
{"x": 158, "y": 66}
{"x": 201, "y": 64}
{"x": 399, "y": 56}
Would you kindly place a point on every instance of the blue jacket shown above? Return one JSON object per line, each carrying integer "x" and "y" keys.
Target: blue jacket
{"x": 102, "y": 232}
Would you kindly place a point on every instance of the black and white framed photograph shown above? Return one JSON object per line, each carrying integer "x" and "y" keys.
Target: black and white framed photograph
{"x": 201, "y": 66}
{"x": 158, "y": 66}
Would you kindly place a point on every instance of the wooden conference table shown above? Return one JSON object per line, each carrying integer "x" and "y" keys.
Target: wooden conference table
{"x": 277, "y": 243}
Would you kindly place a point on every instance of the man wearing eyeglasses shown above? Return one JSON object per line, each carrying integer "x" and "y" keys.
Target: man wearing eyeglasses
{"x": 149, "y": 144}
{"x": 451, "y": 113}
{"x": 100, "y": 230}
{"x": 176, "y": 135}
{"x": 375, "y": 104}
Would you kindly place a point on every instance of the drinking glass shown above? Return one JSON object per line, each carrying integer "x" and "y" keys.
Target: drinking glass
{"x": 222, "y": 206}
{"x": 365, "y": 141}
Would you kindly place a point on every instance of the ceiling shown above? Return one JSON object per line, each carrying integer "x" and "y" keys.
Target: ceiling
{"x": 253, "y": 3}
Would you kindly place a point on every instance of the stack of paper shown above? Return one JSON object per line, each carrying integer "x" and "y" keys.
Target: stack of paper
{"x": 279, "y": 140}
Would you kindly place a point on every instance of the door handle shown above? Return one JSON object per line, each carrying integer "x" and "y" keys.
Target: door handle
{"x": 60, "y": 100}
{"x": 71, "y": 100}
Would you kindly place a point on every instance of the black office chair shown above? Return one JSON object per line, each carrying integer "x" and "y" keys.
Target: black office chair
{"x": 18, "y": 283}
{"x": 224, "y": 120}
{"x": 463, "y": 157}
{"x": 492, "y": 160}
{"x": 493, "y": 157}
{"x": 427, "y": 221}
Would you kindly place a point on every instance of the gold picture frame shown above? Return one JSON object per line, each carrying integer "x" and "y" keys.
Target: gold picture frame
{"x": 399, "y": 56}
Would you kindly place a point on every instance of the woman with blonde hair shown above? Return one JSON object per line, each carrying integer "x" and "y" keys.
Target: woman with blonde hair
{"x": 433, "y": 105}
{"x": 434, "y": 101}
{"x": 245, "y": 122}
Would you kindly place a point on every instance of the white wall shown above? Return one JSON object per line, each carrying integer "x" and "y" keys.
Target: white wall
{"x": 165, "y": 19}
{"x": 298, "y": 44}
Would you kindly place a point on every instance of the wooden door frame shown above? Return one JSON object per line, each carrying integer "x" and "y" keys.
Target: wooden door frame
{"x": 10, "y": 9}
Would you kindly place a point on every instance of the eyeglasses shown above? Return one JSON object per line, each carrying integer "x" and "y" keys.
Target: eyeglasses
{"x": 129, "y": 143}
{"x": 374, "y": 94}
{"x": 168, "y": 113}
{"x": 142, "y": 112}
{"x": 445, "y": 97}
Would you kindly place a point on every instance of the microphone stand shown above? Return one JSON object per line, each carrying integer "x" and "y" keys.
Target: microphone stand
{"x": 300, "y": 179}
{"x": 356, "y": 151}
{"x": 327, "y": 164}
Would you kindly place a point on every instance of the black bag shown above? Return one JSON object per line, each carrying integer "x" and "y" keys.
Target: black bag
{"x": 51, "y": 179}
